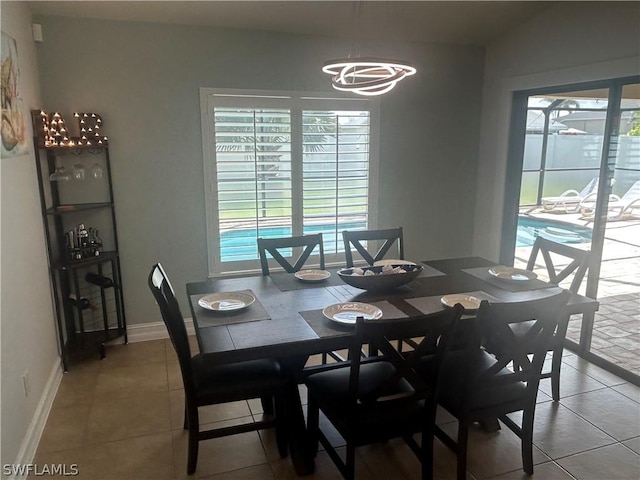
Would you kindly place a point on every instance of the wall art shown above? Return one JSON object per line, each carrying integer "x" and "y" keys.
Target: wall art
{"x": 13, "y": 130}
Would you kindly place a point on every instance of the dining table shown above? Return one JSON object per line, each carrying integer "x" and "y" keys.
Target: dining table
{"x": 285, "y": 321}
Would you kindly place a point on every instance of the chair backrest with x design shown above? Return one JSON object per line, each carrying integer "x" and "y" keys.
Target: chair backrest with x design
{"x": 388, "y": 237}
{"x": 274, "y": 245}
{"x": 541, "y": 317}
{"x": 577, "y": 266}
{"x": 380, "y": 334}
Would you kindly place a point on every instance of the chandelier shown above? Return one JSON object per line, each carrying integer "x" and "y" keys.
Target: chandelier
{"x": 367, "y": 75}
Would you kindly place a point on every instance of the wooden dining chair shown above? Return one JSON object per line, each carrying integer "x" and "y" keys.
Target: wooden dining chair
{"x": 477, "y": 385}
{"x": 386, "y": 238}
{"x": 273, "y": 246}
{"x": 378, "y": 398}
{"x": 578, "y": 262}
{"x": 560, "y": 263}
{"x": 208, "y": 383}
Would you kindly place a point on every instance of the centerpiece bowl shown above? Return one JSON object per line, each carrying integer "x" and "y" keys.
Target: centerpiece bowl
{"x": 382, "y": 277}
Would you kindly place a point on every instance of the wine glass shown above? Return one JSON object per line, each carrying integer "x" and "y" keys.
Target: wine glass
{"x": 96, "y": 171}
{"x": 78, "y": 171}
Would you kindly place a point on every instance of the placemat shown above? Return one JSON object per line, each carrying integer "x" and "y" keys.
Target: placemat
{"x": 513, "y": 286}
{"x": 287, "y": 281}
{"x": 325, "y": 327}
{"x": 432, "y": 304}
{"x": 209, "y": 318}
{"x": 428, "y": 271}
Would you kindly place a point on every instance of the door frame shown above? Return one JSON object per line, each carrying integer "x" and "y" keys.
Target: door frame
{"x": 512, "y": 187}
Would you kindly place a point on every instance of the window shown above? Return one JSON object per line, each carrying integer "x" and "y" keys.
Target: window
{"x": 278, "y": 164}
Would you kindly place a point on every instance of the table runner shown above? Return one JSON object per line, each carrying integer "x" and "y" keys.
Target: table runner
{"x": 325, "y": 327}
{"x": 513, "y": 286}
{"x": 433, "y": 304}
{"x": 209, "y": 318}
{"x": 287, "y": 281}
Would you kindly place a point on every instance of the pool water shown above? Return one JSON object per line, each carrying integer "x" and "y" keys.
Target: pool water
{"x": 237, "y": 245}
{"x": 529, "y": 228}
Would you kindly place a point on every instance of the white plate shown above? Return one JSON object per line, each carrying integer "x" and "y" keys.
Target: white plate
{"x": 392, "y": 261}
{"x": 346, "y": 313}
{"x": 226, "y": 302}
{"x": 510, "y": 273}
{"x": 312, "y": 275}
{"x": 468, "y": 302}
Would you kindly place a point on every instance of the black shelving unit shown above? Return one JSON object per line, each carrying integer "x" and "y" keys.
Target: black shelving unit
{"x": 85, "y": 269}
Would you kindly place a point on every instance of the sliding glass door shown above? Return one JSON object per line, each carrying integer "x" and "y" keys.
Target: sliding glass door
{"x": 615, "y": 335}
{"x": 575, "y": 156}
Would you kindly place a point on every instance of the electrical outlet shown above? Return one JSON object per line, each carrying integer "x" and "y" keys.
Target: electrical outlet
{"x": 25, "y": 383}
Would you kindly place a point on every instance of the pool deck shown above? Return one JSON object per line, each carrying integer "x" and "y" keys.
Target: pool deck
{"x": 616, "y": 333}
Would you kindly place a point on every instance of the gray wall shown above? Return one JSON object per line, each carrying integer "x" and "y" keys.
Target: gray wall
{"x": 144, "y": 80}
{"x": 571, "y": 42}
{"x": 27, "y": 331}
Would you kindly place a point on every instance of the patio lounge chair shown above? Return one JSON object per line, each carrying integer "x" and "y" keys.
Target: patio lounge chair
{"x": 569, "y": 201}
{"x": 619, "y": 207}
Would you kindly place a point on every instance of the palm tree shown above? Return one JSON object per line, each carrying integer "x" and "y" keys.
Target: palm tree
{"x": 316, "y": 133}
{"x": 558, "y": 107}
{"x": 266, "y": 137}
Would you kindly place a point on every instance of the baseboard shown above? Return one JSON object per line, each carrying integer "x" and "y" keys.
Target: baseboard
{"x": 32, "y": 438}
{"x": 153, "y": 331}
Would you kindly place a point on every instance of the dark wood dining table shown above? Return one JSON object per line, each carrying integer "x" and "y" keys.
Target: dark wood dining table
{"x": 286, "y": 320}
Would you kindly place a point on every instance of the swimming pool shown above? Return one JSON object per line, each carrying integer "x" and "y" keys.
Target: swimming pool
{"x": 240, "y": 244}
{"x": 562, "y": 232}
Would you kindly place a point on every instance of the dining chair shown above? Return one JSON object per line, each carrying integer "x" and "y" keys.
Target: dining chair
{"x": 477, "y": 385}
{"x": 378, "y": 398}
{"x": 387, "y": 238}
{"x": 552, "y": 254}
{"x": 208, "y": 383}
{"x": 560, "y": 263}
{"x": 556, "y": 268}
{"x": 273, "y": 246}
{"x": 309, "y": 242}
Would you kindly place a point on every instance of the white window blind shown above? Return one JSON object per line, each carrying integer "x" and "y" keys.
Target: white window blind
{"x": 253, "y": 163}
{"x": 335, "y": 174}
{"x": 283, "y": 165}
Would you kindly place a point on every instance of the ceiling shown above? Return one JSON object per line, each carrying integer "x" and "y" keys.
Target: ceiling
{"x": 454, "y": 22}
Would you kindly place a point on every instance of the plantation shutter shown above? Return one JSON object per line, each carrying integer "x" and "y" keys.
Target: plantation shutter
{"x": 282, "y": 164}
{"x": 253, "y": 164}
{"x": 335, "y": 173}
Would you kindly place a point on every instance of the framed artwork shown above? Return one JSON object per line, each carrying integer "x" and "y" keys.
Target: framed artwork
{"x": 12, "y": 131}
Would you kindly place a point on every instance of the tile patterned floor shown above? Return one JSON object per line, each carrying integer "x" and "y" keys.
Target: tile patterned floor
{"x": 121, "y": 419}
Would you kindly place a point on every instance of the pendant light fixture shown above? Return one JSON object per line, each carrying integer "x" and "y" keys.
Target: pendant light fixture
{"x": 366, "y": 75}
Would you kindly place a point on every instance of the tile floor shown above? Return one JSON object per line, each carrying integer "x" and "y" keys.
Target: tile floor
{"x": 121, "y": 418}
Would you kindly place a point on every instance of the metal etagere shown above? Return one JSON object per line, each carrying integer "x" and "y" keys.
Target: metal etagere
{"x": 76, "y": 193}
